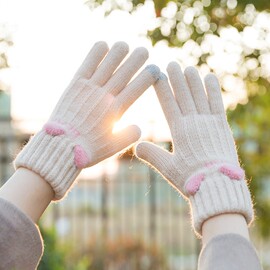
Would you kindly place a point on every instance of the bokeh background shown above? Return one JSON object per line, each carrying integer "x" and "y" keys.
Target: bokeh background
{"x": 122, "y": 215}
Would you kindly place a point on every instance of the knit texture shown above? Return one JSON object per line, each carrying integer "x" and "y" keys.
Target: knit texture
{"x": 79, "y": 132}
{"x": 204, "y": 165}
{"x": 219, "y": 194}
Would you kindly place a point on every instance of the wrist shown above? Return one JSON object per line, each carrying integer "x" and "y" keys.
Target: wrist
{"x": 29, "y": 192}
{"x": 224, "y": 224}
{"x": 218, "y": 194}
{"x": 51, "y": 157}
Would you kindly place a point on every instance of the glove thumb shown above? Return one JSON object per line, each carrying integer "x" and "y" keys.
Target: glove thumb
{"x": 155, "y": 156}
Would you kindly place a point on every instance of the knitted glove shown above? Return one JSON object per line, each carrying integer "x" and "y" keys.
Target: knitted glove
{"x": 204, "y": 165}
{"x": 79, "y": 131}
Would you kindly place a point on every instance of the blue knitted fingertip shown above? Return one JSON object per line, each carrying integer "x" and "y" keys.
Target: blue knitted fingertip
{"x": 154, "y": 70}
{"x": 162, "y": 77}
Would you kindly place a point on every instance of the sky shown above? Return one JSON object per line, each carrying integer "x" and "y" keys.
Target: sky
{"x": 51, "y": 39}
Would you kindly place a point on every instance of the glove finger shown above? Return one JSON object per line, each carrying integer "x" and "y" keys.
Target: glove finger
{"x": 92, "y": 60}
{"x": 214, "y": 94}
{"x": 110, "y": 63}
{"x": 181, "y": 90}
{"x": 124, "y": 74}
{"x": 197, "y": 90}
{"x": 125, "y": 137}
{"x": 136, "y": 88}
{"x": 119, "y": 141}
{"x": 155, "y": 156}
{"x": 167, "y": 102}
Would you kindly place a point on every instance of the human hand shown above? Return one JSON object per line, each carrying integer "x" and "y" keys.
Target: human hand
{"x": 204, "y": 165}
{"x": 79, "y": 131}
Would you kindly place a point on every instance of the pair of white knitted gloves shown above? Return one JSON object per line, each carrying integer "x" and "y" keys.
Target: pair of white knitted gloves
{"x": 203, "y": 166}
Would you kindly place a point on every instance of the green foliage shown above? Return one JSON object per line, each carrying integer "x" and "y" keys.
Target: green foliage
{"x": 54, "y": 255}
{"x": 251, "y": 127}
{"x": 100, "y": 254}
{"x": 208, "y": 18}
{"x": 124, "y": 253}
{"x": 5, "y": 43}
{"x": 59, "y": 256}
{"x": 231, "y": 8}
{"x": 206, "y": 25}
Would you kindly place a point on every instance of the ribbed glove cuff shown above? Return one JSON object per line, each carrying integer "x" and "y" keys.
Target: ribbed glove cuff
{"x": 52, "y": 157}
{"x": 219, "y": 193}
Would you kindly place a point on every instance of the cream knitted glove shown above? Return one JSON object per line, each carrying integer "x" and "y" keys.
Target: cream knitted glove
{"x": 204, "y": 165}
{"x": 79, "y": 131}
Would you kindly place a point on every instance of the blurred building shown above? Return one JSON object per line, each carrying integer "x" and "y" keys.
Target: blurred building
{"x": 10, "y": 139}
{"x": 5, "y": 113}
{"x": 6, "y": 132}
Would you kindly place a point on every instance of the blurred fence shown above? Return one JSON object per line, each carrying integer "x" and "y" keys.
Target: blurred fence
{"x": 133, "y": 205}
{"x": 130, "y": 210}
{"x": 10, "y": 143}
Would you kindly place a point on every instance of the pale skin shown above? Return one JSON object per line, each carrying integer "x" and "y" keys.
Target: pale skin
{"x": 32, "y": 194}
{"x": 29, "y": 192}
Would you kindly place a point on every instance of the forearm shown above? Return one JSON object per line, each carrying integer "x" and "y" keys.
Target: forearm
{"x": 28, "y": 192}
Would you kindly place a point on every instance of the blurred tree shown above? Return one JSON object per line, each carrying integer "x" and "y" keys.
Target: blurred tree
{"x": 232, "y": 39}
{"x": 209, "y": 4}
{"x": 251, "y": 127}
{"x": 54, "y": 255}
{"x": 5, "y": 43}
{"x": 59, "y": 256}
{"x": 228, "y": 37}
{"x": 124, "y": 253}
